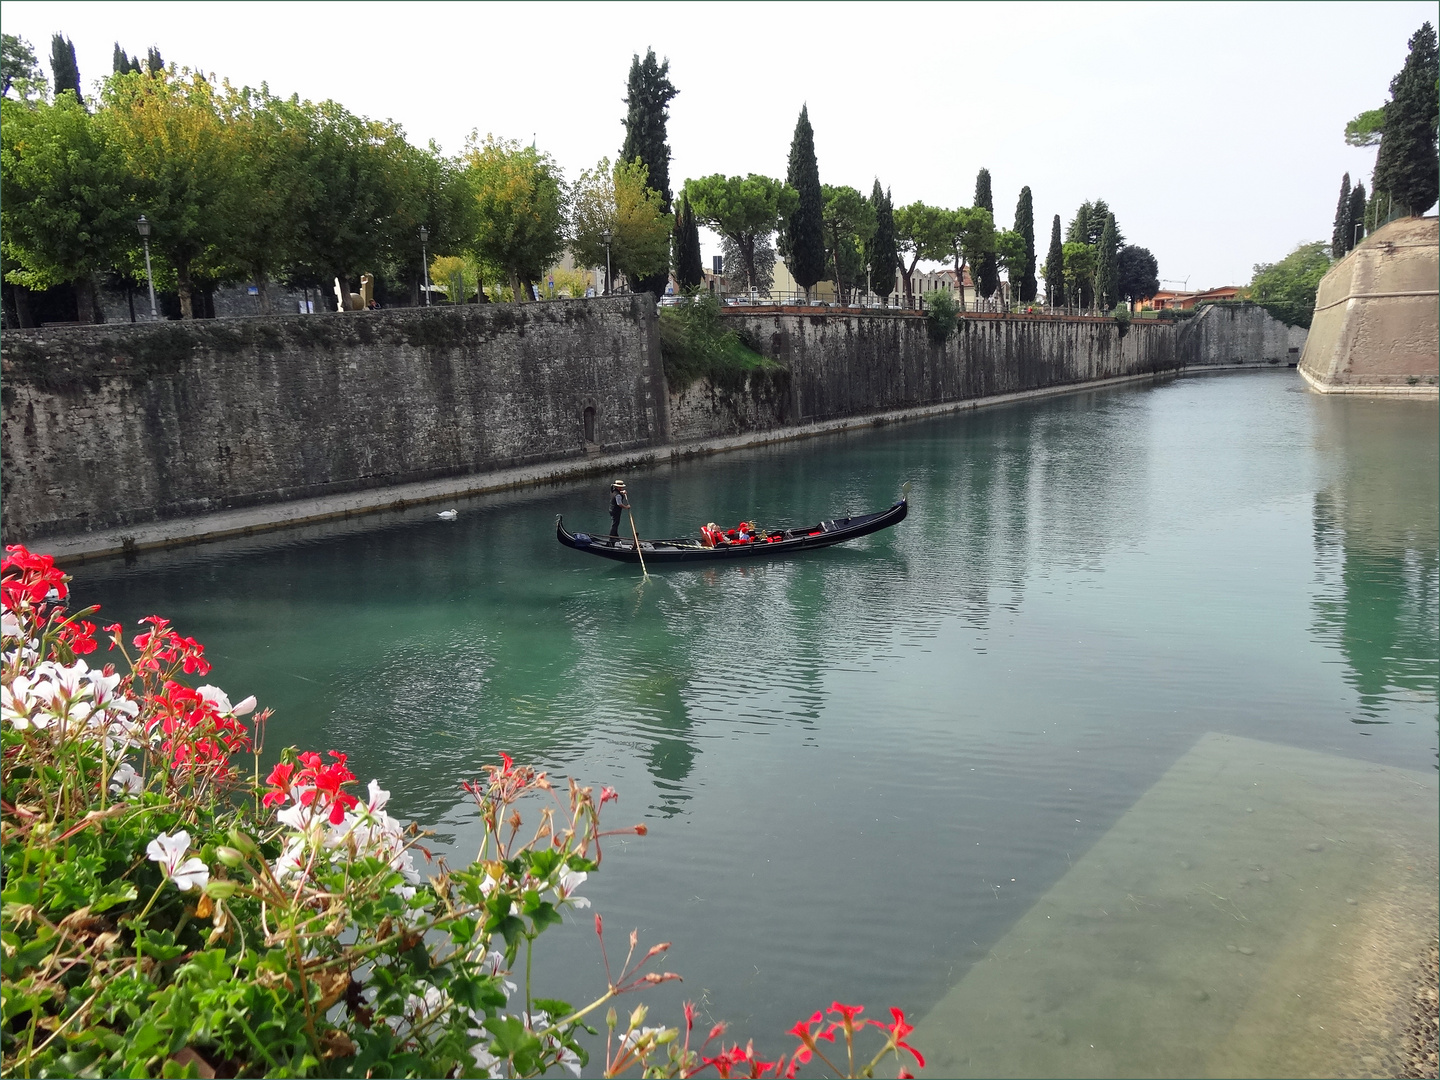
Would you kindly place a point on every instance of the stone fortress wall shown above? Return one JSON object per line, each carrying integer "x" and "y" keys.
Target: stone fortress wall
{"x": 238, "y": 425}
{"x": 1377, "y": 315}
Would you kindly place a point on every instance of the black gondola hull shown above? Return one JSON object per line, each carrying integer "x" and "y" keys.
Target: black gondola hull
{"x": 685, "y": 550}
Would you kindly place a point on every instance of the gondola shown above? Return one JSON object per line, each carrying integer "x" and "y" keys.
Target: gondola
{"x": 689, "y": 550}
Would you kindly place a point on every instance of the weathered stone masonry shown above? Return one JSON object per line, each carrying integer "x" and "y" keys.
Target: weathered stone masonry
{"x": 105, "y": 426}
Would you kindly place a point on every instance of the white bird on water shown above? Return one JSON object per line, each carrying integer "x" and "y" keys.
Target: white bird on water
{"x": 448, "y": 515}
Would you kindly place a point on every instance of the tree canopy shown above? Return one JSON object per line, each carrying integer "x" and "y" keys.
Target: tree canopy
{"x": 922, "y": 232}
{"x": 1025, "y": 226}
{"x": 849, "y": 221}
{"x": 745, "y": 210}
{"x": 986, "y": 267}
{"x": 881, "y": 253}
{"x": 620, "y": 200}
{"x": 1137, "y": 274}
{"x": 689, "y": 269}
{"x": 1287, "y": 288}
{"x": 521, "y": 203}
{"x": 1055, "y": 266}
{"x": 1342, "y": 236}
{"x": 64, "y": 71}
{"x": 1106, "y": 272}
{"x": 1406, "y": 166}
{"x": 19, "y": 69}
{"x": 647, "y": 116}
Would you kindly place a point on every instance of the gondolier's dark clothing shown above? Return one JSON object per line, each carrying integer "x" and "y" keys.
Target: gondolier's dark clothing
{"x": 618, "y": 505}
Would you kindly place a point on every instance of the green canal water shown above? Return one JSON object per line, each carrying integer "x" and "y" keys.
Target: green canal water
{"x": 1117, "y": 757}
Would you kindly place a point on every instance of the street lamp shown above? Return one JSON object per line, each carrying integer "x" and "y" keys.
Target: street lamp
{"x": 425, "y": 261}
{"x": 143, "y": 228}
{"x": 1359, "y": 229}
{"x": 606, "y": 237}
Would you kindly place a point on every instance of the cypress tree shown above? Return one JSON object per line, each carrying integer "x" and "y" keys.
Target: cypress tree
{"x": 805, "y": 232}
{"x": 1405, "y": 168}
{"x": 1342, "y": 237}
{"x": 647, "y": 110}
{"x": 1025, "y": 226}
{"x": 64, "y": 68}
{"x": 1107, "y": 278}
{"x": 689, "y": 271}
{"x": 1356, "y": 211}
{"x": 153, "y": 63}
{"x": 987, "y": 269}
{"x": 881, "y": 252}
{"x": 1055, "y": 266}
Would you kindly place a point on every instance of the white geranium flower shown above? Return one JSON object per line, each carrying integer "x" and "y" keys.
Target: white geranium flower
{"x": 126, "y": 781}
{"x": 169, "y": 852}
{"x": 9, "y": 625}
{"x": 291, "y": 860}
{"x": 244, "y": 707}
{"x": 215, "y": 696}
{"x": 570, "y": 880}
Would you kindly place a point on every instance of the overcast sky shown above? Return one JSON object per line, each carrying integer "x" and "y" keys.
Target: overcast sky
{"x": 1213, "y": 130}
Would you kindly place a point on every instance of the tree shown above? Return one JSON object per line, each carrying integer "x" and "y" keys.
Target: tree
{"x": 19, "y": 69}
{"x": 987, "y": 271}
{"x": 1137, "y": 274}
{"x": 1287, "y": 289}
{"x": 647, "y": 112}
{"x": 1055, "y": 267}
{"x": 123, "y": 64}
{"x": 1080, "y": 272}
{"x": 63, "y": 68}
{"x": 1106, "y": 279}
{"x": 1011, "y": 253}
{"x": 805, "y": 232}
{"x": 923, "y": 233}
{"x": 1366, "y": 129}
{"x": 849, "y": 221}
{"x": 619, "y": 200}
{"x": 1025, "y": 226}
{"x": 972, "y": 237}
{"x": 1406, "y": 166}
{"x": 66, "y": 212}
{"x": 169, "y": 134}
{"x": 764, "y": 259}
{"x": 1089, "y": 223}
{"x": 153, "y": 63}
{"x": 881, "y": 253}
{"x": 1356, "y": 212}
{"x": 744, "y": 210}
{"x": 689, "y": 270}
{"x": 1342, "y": 237}
{"x": 521, "y": 207}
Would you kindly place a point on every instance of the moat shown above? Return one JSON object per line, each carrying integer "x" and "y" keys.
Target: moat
{"x": 1131, "y": 647}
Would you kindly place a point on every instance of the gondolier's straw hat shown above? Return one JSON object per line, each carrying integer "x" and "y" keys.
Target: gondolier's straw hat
{"x": 619, "y": 484}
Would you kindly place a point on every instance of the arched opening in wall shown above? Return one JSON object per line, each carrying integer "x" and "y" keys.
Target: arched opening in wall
{"x": 589, "y": 423}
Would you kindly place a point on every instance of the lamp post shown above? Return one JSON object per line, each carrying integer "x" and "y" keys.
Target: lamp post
{"x": 1359, "y": 231}
{"x": 606, "y": 235}
{"x": 425, "y": 261}
{"x": 143, "y": 228}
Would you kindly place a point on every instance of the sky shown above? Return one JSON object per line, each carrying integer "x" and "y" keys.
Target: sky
{"x": 1214, "y": 131}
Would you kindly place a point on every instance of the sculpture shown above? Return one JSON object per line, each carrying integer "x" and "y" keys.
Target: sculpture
{"x": 361, "y": 301}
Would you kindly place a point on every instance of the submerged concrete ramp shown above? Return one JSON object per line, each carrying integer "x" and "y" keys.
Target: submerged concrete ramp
{"x": 1261, "y": 911}
{"x": 1377, "y": 316}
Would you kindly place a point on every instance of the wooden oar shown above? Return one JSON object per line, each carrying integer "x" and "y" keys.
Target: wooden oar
{"x": 636, "y": 534}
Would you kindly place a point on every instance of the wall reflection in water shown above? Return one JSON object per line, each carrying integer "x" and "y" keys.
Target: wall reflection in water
{"x": 1377, "y": 533}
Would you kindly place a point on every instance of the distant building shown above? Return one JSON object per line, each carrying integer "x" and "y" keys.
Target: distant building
{"x": 1187, "y": 301}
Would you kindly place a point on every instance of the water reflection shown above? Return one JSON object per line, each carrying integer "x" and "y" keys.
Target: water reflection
{"x": 1377, "y": 532}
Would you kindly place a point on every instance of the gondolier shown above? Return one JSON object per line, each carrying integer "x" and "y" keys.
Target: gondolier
{"x": 619, "y": 503}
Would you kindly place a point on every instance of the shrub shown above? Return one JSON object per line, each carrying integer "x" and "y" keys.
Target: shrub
{"x": 940, "y": 317}
{"x": 695, "y": 344}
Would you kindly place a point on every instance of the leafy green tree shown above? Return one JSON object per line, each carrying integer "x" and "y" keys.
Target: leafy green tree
{"x": 170, "y": 135}
{"x": 1366, "y": 129}
{"x": 1025, "y": 226}
{"x": 922, "y": 233}
{"x": 1080, "y": 272}
{"x": 881, "y": 252}
{"x": 986, "y": 268}
{"x": 66, "y": 211}
{"x": 1287, "y": 289}
{"x": 1342, "y": 236}
{"x": 849, "y": 221}
{"x": 745, "y": 210}
{"x": 1138, "y": 274}
{"x": 689, "y": 269}
{"x": 647, "y": 113}
{"x": 1011, "y": 253}
{"x": 804, "y": 248}
{"x": 19, "y": 70}
{"x": 1106, "y": 271}
{"x": 1356, "y": 212}
{"x": 619, "y": 200}
{"x": 64, "y": 70}
{"x": 972, "y": 237}
{"x": 1406, "y": 167}
{"x": 1055, "y": 266}
{"x": 521, "y": 202}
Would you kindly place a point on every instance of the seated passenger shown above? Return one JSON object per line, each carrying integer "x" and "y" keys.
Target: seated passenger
{"x": 746, "y": 532}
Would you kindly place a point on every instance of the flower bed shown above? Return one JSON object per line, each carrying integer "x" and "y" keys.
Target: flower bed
{"x": 169, "y": 912}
